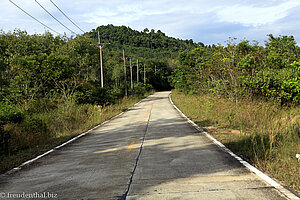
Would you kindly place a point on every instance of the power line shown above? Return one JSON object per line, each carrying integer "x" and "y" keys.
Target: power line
{"x": 54, "y": 17}
{"x": 34, "y": 18}
{"x": 66, "y": 16}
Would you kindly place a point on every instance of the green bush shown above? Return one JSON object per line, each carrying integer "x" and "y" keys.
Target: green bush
{"x": 281, "y": 85}
{"x": 140, "y": 89}
{"x": 8, "y": 114}
{"x": 92, "y": 93}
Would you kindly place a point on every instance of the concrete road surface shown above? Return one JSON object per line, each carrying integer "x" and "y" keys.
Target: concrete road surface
{"x": 149, "y": 152}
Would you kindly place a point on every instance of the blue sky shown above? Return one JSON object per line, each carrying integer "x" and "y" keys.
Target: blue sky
{"x": 207, "y": 21}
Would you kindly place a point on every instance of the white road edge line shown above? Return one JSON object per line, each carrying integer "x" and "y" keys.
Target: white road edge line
{"x": 253, "y": 169}
{"x": 69, "y": 141}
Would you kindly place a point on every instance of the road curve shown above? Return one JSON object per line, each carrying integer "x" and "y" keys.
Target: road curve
{"x": 149, "y": 152}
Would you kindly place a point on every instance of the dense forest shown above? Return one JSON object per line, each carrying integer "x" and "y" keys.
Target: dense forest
{"x": 243, "y": 70}
{"x": 147, "y": 44}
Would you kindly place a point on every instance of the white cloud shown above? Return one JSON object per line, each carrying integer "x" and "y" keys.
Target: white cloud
{"x": 256, "y": 16}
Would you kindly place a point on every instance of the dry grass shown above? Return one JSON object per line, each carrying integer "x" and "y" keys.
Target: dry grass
{"x": 43, "y": 131}
{"x": 267, "y": 135}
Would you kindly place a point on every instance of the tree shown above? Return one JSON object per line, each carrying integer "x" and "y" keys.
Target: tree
{"x": 281, "y": 51}
{"x": 146, "y": 30}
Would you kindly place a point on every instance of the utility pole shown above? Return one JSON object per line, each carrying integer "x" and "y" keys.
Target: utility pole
{"x": 125, "y": 81}
{"x": 144, "y": 74}
{"x": 137, "y": 71}
{"x": 101, "y": 67}
{"x": 155, "y": 70}
{"x": 131, "y": 82}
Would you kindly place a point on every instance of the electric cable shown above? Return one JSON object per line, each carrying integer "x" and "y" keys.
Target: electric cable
{"x": 67, "y": 16}
{"x": 34, "y": 18}
{"x": 54, "y": 17}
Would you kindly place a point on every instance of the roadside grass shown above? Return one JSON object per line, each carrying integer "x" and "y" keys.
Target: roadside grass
{"x": 265, "y": 134}
{"x": 42, "y": 131}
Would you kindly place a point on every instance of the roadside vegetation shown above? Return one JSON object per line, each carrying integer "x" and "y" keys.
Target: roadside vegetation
{"x": 50, "y": 86}
{"x": 265, "y": 134}
{"x": 247, "y": 96}
{"x": 36, "y": 132}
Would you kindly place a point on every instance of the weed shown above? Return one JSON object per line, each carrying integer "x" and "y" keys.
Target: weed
{"x": 43, "y": 130}
{"x": 268, "y": 134}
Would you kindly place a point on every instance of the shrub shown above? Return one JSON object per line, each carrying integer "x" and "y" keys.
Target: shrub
{"x": 92, "y": 93}
{"x": 8, "y": 114}
{"x": 282, "y": 86}
{"x": 139, "y": 89}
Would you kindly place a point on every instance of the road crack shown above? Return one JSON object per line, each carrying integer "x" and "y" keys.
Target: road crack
{"x": 123, "y": 197}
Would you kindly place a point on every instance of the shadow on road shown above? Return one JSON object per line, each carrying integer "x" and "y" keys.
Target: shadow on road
{"x": 175, "y": 157}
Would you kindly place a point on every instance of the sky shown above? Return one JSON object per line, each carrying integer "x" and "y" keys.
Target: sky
{"x": 207, "y": 21}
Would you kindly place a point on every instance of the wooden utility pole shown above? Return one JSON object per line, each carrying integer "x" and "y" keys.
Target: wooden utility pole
{"x": 101, "y": 67}
{"x": 125, "y": 80}
{"x": 131, "y": 81}
{"x": 144, "y": 74}
{"x": 137, "y": 71}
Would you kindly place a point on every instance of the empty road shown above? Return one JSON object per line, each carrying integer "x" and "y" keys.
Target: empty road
{"x": 149, "y": 152}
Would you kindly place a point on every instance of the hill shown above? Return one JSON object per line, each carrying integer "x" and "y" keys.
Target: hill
{"x": 156, "y": 44}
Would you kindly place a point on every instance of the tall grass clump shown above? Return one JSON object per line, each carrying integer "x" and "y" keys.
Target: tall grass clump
{"x": 44, "y": 124}
{"x": 266, "y": 134}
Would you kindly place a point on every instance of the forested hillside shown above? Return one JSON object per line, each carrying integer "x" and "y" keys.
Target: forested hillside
{"x": 146, "y": 44}
{"x": 50, "y": 85}
{"x": 149, "y": 47}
